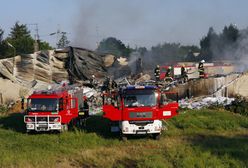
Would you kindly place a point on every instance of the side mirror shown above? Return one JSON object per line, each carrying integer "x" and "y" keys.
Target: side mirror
{"x": 177, "y": 97}
{"x": 115, "y": 104}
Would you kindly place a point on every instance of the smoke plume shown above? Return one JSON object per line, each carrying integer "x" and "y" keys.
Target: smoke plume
{"x": 236, "y": 53}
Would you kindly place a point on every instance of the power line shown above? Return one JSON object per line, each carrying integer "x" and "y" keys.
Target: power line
{"x": 36, "y": 36}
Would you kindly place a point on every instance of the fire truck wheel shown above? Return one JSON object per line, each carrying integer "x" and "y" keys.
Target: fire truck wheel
{"x": 29, "y": 132}
{"x": 156, "y": 136}
{"x": 123, "y": 137}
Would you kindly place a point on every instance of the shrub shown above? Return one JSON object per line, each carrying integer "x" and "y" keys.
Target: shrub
{"x": 239, "y": 105}
{"x": 3, "y": 109}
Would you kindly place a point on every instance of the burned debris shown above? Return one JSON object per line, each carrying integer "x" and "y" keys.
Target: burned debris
{"x": 91, "y": 69}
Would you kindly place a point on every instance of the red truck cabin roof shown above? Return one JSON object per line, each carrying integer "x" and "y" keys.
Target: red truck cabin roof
{"x": 48, "y": 94}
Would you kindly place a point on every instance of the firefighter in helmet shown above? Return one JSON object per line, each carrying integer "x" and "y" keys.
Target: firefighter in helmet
{"x": 169, "y": 72}
{"x": 86, "y": 107}
{"x": 184, "y": 75}
{"x": 106, "y": 84}
{"x": 168, "y": 75}
{"x": 139, "y": 67}
{"x": 201, "y": 69}
{"x": 157, "y": 73}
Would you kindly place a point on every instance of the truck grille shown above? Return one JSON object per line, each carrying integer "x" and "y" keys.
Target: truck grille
{"x": 140, "y": 115}
{"x": 42, "y": 119}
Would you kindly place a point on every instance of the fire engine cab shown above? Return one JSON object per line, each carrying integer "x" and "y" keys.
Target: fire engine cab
{"x": 54, "y": 110}
{"x": 139, "y": 110}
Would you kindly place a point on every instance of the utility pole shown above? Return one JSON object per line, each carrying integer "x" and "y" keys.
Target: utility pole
{"x": 97, "y": 37}
{"x": 36, "y": 37}
{"x": 59, "y": 35}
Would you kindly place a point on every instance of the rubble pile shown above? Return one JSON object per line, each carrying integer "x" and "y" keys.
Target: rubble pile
{"x": 117, "y": 67}
{"x": 199, "y": 103}
{"x": 82, "y": 64}
{"x": 37, "y": 70}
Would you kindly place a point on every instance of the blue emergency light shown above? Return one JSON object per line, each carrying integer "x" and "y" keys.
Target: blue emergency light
{"x": 140, "y": 87}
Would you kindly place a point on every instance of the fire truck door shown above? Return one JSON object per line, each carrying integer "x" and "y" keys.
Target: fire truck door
{"x": 168, "y": 111}
{"x": 112, "y": 108}
{"x": 111, "y": 112}
{"x": 168, "y": 105}
{"x": 73, "y": 105}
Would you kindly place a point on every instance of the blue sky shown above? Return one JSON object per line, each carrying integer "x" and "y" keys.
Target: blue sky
{"x": 135, "y": 22}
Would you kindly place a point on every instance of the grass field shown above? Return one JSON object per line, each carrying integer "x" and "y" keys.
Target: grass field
{"x": 195, "y": 138}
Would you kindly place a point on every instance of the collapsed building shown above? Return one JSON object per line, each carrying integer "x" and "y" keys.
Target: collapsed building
{"x": 22, "y": 74}
{"x": 25, "y": 73}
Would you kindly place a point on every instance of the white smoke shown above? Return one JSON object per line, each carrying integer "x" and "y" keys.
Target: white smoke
{"x": 134, "y": 56}
{"x": 235, "y": 53}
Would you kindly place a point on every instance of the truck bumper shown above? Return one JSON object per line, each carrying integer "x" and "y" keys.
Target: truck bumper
{"x": 42, "y": 123}
{"x": 136, "y": 128}
{"x": 43, "y": 127}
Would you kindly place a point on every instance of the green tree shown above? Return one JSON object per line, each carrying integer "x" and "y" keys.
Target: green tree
{"x": 43, "y": 45}
{"x": 1, "y": 35}
{"x": 230, "y": 34}
{"x": 2, "y": 45}
{"x": 142, "y": 50}
{"x": 215, "y": 46}
{"x": 208, "y": 43}
{"x": 168, "y": 52}
{"x": 63, "y": 41}
{"x": 113, "y": 46}
{"x": 21, "y": 39}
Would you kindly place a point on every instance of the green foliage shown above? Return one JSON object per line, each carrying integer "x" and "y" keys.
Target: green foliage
{"x": 195, "y": 138}
{"x": 191, "y": 50}
{"x": 239, "y": 105}
{"x": 3, "y": 109}
{"x": 63, "y": 41}
{"x": 3, "y": 47}
{"x": 142, "y": 50}
{"x": 21, "y": 41}
{"x": 211, "y": 120}
{"x": 113, "y": 46}
{"x": 44, "y": 45}
{"x": 171, "y": 52}
{"x": 214, "y": 46}
{"x": 1, "y": 34}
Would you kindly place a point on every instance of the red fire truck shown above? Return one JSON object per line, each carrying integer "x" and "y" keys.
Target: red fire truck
{"x": 139, "y": 110}
{"x": 54, "y": 110}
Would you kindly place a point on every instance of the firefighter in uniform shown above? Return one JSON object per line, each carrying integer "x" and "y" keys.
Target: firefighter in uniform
{"x": 106, "y": 85}
{"x": 139, "y": 67}
{"x": 86, "y": 107}
{"x": 168, "y": 75}
{"x": 201, "y": 69}
{"x": 157, "y": 73}
{"x": 184, "y": 75}
{"x": 169, "y": 72}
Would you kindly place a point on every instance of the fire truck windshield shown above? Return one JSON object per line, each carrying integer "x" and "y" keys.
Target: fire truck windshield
{"x": 36, "y": 105}
{"x": 138, "y": 98}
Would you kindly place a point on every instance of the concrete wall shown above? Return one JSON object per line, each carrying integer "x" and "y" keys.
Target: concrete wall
{"x": 239, "y": 87}
{"x": 211, "y": 86}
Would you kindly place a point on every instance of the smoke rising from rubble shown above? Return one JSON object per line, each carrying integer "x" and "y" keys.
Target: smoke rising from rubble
{"x": 97, "y": 21}
{"x": 236, "y": 53}
{"x": 149, "y": 24}
{"x": 242, "y": 52}
{"x": 139, "y": 22}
